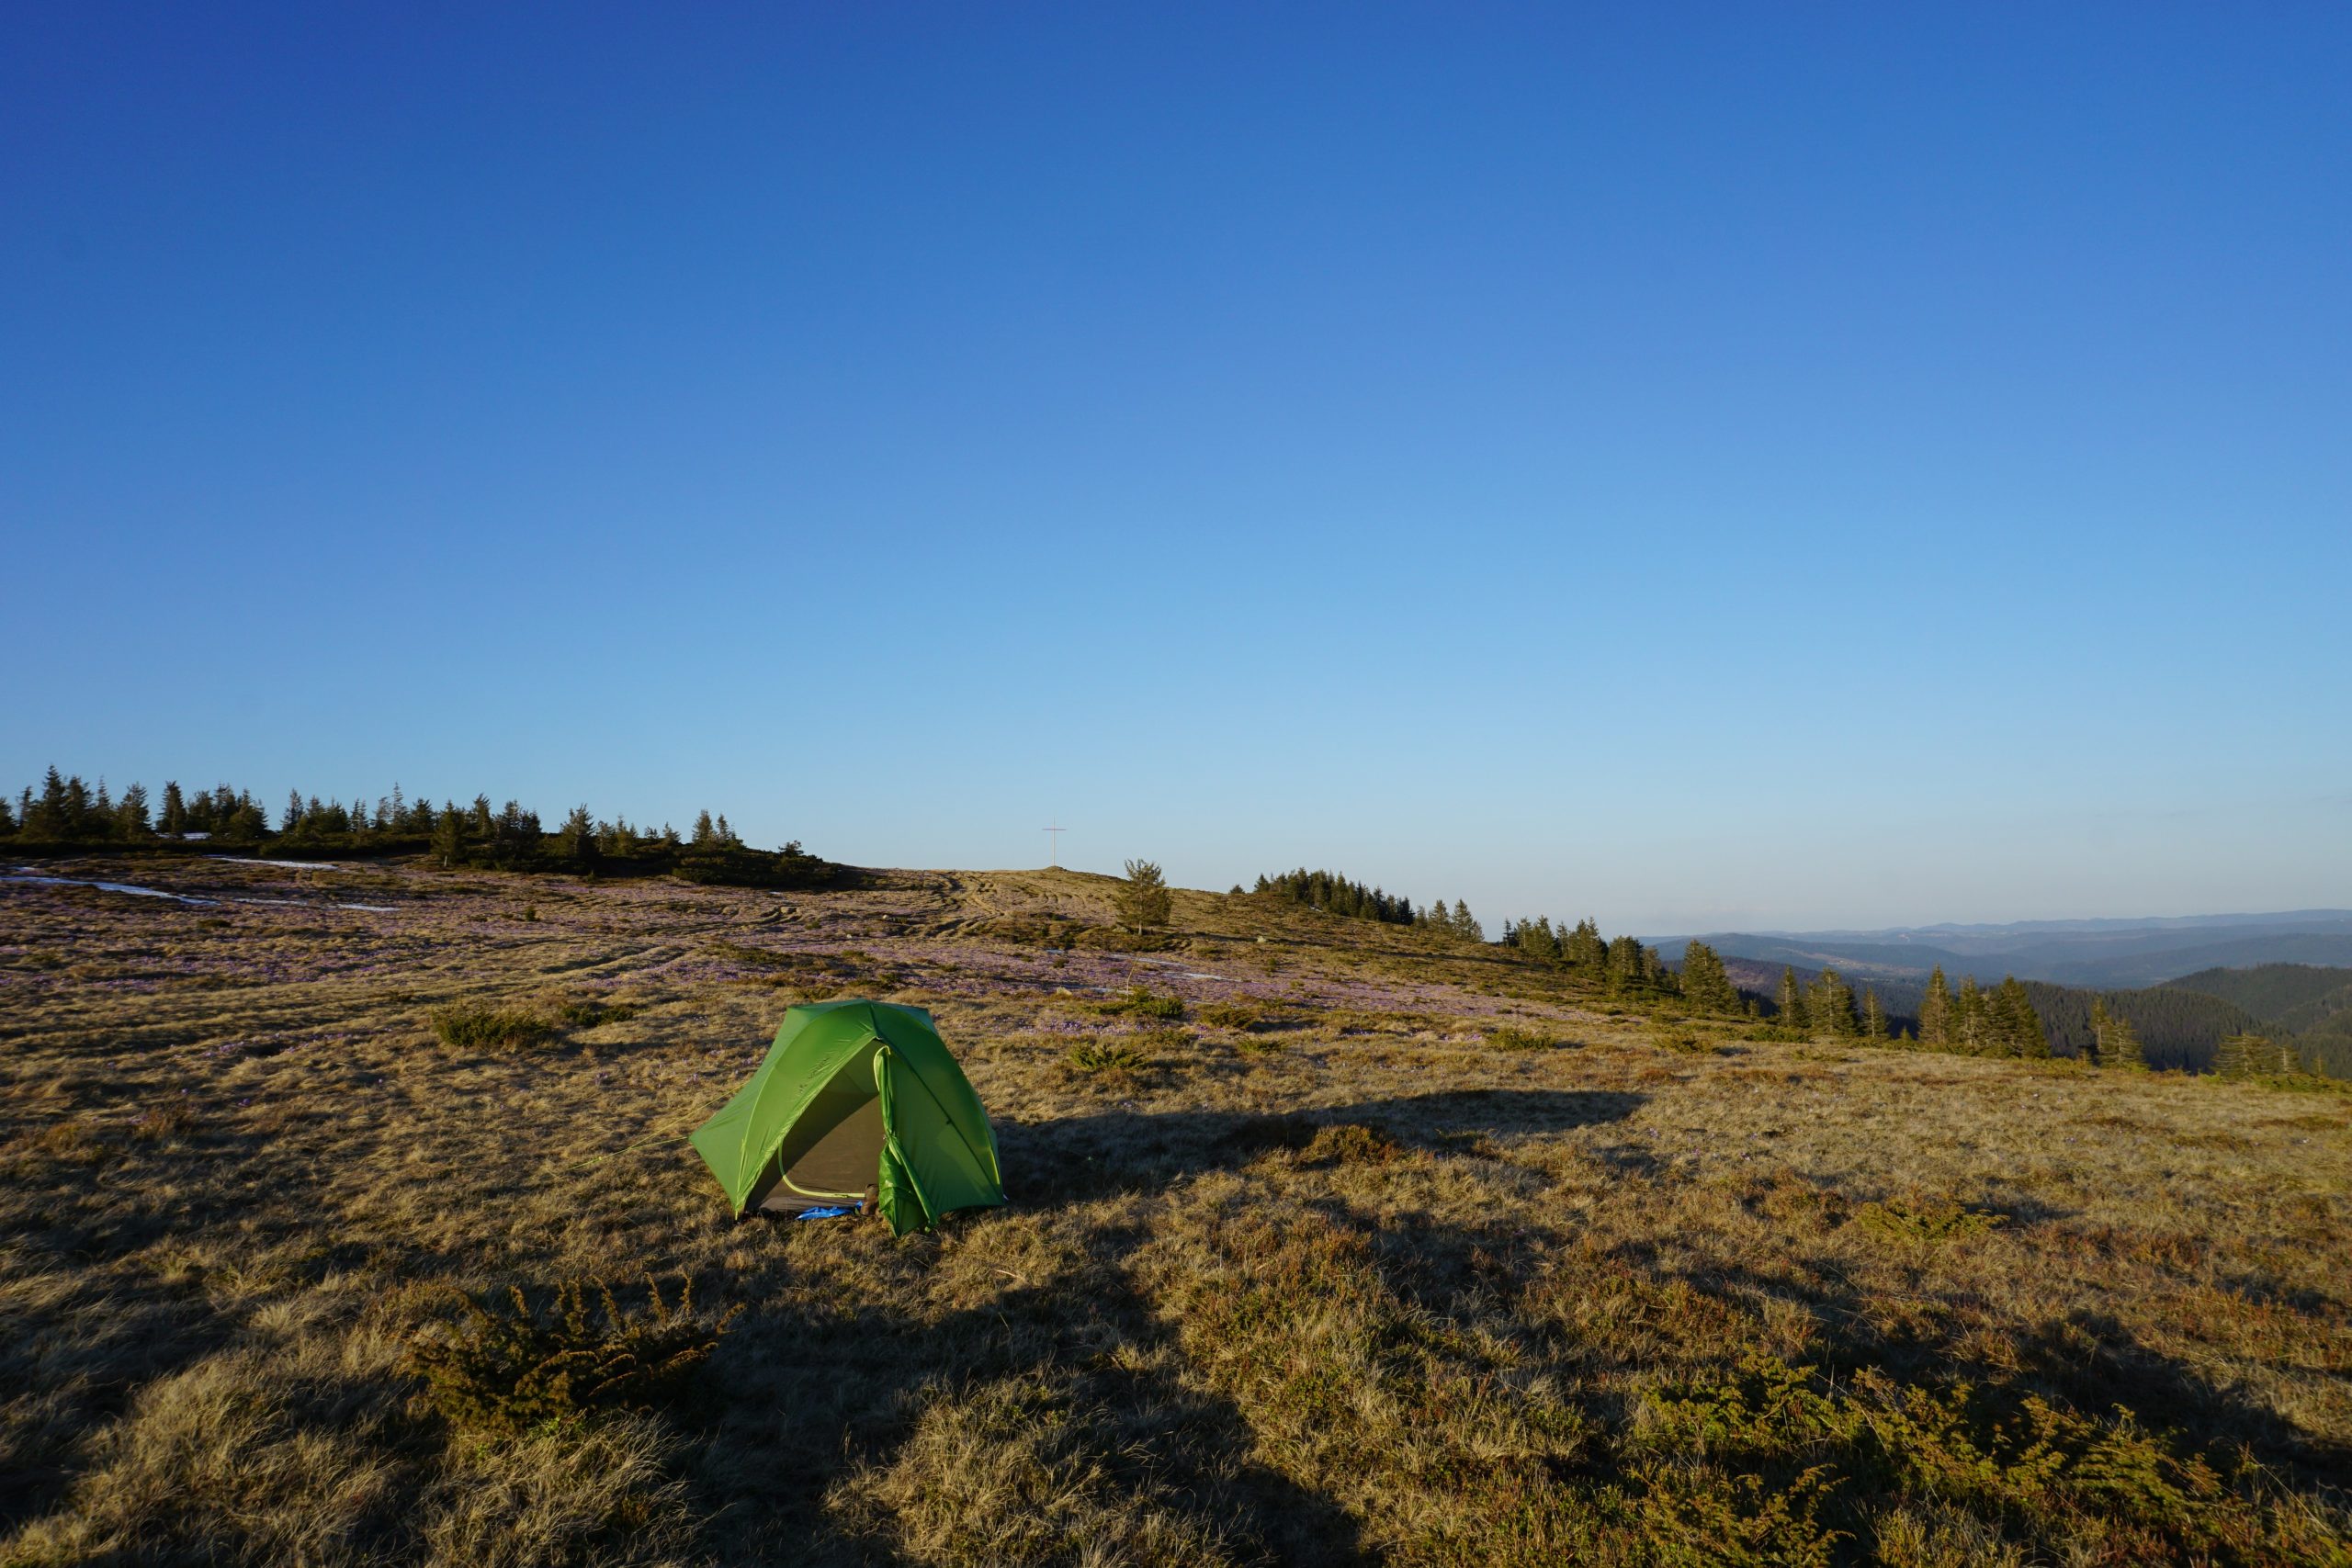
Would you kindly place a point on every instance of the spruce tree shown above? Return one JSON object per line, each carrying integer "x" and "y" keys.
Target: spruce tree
{"x": 2234, "y": 1058}
{"x": 576, "y": 840}
{"x": 1584, "y": 949}
{"x": 1969, "y": 1027}
{"x": 2020, "y": 1026}
{"x": 448, "y": 837}
{"x": 1143, "y": 901}
{"x": 1705, "y": 984}
{"x": 131, "y": 814}
{"x": 1789, "y": 1005}
{"x": 1873, "y": 1016}
{"x": 1830, "y": 1006}
{"x": 1465, "y": 924}
{"x": 704, "y": 831}
{"x": 8, "y": 817}
{"x": 174, "y": 810}
{"x": 1624, "y": 962}
{"x": 1935, "y": 1010}
{"x": 2120, "y": 1046}
{"x": 45, "y": 820}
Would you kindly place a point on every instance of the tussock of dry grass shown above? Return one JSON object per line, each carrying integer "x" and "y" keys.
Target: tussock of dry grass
{"x": 1324, "y": 1259}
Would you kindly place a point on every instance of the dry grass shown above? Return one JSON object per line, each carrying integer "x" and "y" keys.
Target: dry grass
{"x": 1413, "y": 1287}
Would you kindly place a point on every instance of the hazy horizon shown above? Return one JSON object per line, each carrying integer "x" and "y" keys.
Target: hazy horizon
{"x": 1760, "y": 471}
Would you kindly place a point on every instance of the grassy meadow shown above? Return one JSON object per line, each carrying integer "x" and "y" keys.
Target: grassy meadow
{"x": 1339, "y": 1242}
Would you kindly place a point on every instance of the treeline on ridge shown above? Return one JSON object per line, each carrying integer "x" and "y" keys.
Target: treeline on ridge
{"x": 1336, "y": 895}
{"x": 1621, "y": 966}
{"x": 66, "y": 812}
{"x": 1626, "y": 966}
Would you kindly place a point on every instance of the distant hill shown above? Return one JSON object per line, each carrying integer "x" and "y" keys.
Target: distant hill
{"x": 2179, "y": 1028}
{"x": 2292, "y": 996}
{"x": 2312, "y": 1003}
{"x": 2094, "y": 953}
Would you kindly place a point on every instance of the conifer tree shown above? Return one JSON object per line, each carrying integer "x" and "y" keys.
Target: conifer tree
{"x": 448, "y": 837}
{"x": 576, "y": 840}
{"x": 244, "y": 822}
{"x": 1830, "y": 1006}
{"x": 705, "y": 831}
{"x": 1935, "y": 1010}
{"x": 2234, "y": 1058}
{"x": 1705, "y": 983}
{"x": 1969, "y": 1024}
{"x": 479, "y": 822}
{"x": 1584, "y": 948}
{"x": 1789, "y": 1006}
{"x": 7, "y": 817}
{"x": 174, "y": 810}
{"x": 131, "y": 813}
{"x": 2018, "y": 1026}
{"x": 1143, "y": 901}
{"x": 515, "y": 838}
{"x": 2120, "y": 1047}
{"x": 1624, "y": 962}
{"x": 1465, "y": 924}
{"x": 1873, "y": 1016}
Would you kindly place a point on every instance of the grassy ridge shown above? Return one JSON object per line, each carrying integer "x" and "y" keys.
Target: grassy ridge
{"x": 1332, "y": 1241}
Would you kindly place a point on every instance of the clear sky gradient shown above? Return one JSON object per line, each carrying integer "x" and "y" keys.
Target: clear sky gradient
{"x": 1759, "y": 465}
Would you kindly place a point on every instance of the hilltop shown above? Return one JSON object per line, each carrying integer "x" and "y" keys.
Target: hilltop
{"x": 1332, "y": 1240}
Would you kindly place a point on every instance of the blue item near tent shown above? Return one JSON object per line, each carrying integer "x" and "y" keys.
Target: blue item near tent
{"x": 837, "y": 1212}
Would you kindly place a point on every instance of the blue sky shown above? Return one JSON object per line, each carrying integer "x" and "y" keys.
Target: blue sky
{"x": 1701, "y": 466}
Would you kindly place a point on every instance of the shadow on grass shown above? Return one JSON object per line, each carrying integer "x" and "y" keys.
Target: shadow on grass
{"x": 1075, "y": 1159}
{"x": 812, "y": 1397}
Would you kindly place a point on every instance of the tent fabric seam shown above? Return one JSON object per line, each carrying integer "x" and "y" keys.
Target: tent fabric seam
{"x": 945, "y": 1115}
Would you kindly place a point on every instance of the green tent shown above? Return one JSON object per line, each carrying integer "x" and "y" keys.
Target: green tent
{"x": 857, "y": 1101}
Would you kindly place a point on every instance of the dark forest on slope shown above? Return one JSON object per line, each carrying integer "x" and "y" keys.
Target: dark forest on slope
{"x": 2310, "y": 1003}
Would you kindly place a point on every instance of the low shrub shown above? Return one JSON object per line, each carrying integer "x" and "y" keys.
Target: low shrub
{"x": 479, "y": 1025}
{"x": 1510, "y": 1037}
{"x": 1141, "y": 1002}
{"x": 1926, "y": 1222}
{"x": 1679, "y": 1036}
{"x": 1105, "y": 1056}
{"x": 588, "y": 1014}
{"x": 1353, "y": 1143}
{"x": 2105, "y": 1487}
{"x": 511, "y": 1367}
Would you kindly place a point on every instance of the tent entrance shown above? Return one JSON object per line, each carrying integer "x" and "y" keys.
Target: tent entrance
{"x": 834, "y": 1154}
